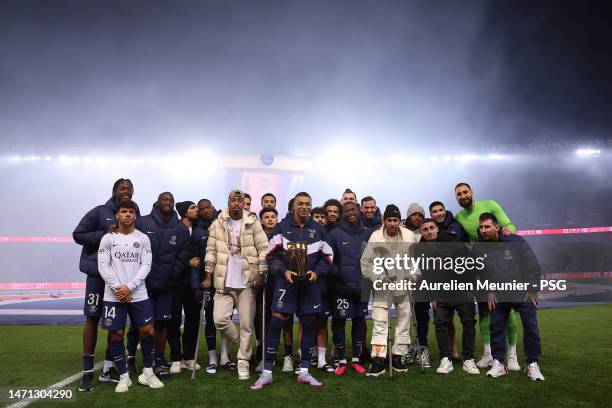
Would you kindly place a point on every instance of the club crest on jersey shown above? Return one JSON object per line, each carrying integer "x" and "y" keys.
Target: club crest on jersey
{"x": 136, "y": 244}
{"x": 172, "y": 240}
{"x": 108, "y": 322}
{"x": 342, "y": 312}
{"x": 92, "y": 309}
{"x": 508, "y": 255}
{"x": 280, "y": 304}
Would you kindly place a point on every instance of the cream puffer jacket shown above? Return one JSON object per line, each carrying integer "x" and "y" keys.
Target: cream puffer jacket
{"x": 400, "y": 247}
{"x": 253, "y": 247}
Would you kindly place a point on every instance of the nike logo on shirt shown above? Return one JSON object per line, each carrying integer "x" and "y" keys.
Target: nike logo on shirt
{"x": 314, "y": 307}
{"x": 109, "y": 219}
{"x": 166, "y": 316}
{"x": 344, "y": 243}
{"x": 146, "y": 320}
{"x": 150, "y": 232}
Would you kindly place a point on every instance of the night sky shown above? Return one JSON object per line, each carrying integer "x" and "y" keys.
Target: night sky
{"x": 294, "y": 77}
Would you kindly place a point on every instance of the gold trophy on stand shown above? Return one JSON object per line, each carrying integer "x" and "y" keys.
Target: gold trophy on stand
{"x": 296, "y": 255}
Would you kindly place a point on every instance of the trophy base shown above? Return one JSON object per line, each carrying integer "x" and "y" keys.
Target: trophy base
{"x": 300, "y": 278}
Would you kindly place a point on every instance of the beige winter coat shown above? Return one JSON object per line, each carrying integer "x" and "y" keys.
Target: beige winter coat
{"x": 403, "y": 246}
{"x": 253, "y": 246}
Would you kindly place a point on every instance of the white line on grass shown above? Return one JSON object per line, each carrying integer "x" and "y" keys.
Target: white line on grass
{"x": 58, "y": 385}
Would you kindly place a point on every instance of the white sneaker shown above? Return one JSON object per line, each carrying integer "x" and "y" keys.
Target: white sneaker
{"x": 188, "y": 365}
{"x": 288, "y": 364}
{"x": 124, "y": 383}
{"x": 175, "y": 367}
{"x": 243, "y": 370}
{"x": 533, "y": 372}
{"x": 485, "y": 361}
{"x": 469, "y": 366}
{"x": 150, "y": 379}
{"x": 512, "y": 363}
{"x": 446, "y": 366}
{"x": 497, "y": 370}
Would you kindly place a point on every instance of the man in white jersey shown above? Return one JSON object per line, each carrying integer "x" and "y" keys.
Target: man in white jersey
{"x": 124, "y": 261}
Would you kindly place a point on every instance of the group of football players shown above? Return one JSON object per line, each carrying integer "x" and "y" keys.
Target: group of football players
{"x": 188, "y": 259}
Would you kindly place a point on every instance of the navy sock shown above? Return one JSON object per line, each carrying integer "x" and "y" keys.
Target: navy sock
{"x": 339, "y": 337}
{"x": 308, "y": 331}
{"x": 148, "y": 351}
{"x": 109, "y": 355}
{"x": 272, "y": 340}
{"x": 158, "y": 355}
{"x": 118, "y": 351}
{"x": 358, "y": 324}
{"x": 288, "y": 349}
{"x": 88, "y": 363}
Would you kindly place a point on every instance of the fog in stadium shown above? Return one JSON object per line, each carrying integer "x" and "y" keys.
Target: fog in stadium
{"x": 399, "y": 100}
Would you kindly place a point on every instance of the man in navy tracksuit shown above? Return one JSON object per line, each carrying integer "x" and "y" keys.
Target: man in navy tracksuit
{"x": 182, "y": 348}
{"x": 170, "y": 245}
{"x": 509, "y": 258}
{"x": 290, "y": 295}
{"x": 347, "y": 242}
{"x": 199, "y": 240}
{"x": 92, "y": 227}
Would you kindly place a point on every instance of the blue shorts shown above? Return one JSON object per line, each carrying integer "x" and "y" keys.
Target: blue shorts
{"x": 299, "y": 298}
{"x": 162, "y": 305}
{"x": 94, "y": 295}
{"x": 344, "y": 308}
{"x": 115, "y": 314}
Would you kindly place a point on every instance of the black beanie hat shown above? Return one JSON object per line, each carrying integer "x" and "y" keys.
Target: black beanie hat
{"x": 392, "y": 211}
{"x": 182, "y": 207}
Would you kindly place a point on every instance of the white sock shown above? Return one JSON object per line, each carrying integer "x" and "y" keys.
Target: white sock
{"x": 512, "y": 350}
{"x": 355, "y": 360}
{"x": 107, "y": 366}
{"x": 343, "y": 361}
{"x": 303, "y": 370}
{"x": 212, "y": 357}
{"x": 147, "y": 370}
{"x": 224, "y": 352}
{"x": 267, "y": 372}
{"x": 125, "y": 375}
{"x": 487, "y": 348}
{"x": 321, "y": 356}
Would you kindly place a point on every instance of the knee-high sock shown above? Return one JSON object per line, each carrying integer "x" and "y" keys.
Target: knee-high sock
{"x": 357, "y": 335}
{"x": 339, "y": 337}
{"x": 118, "y": 351}
{"x": 272, "y": 341}
{"x": 308, "y": 338}
{"x": 148, "y": 351}
{"x": 484, "y": 321}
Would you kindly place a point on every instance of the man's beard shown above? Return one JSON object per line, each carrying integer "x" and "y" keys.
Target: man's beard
{"x": 468, "y": 204}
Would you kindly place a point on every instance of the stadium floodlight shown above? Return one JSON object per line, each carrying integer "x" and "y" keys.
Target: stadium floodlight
{"x": 588, "y": 152}
{"x": 495, "y": 156}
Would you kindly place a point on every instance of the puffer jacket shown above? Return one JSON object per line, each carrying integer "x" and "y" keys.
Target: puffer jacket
{"x": 253, "y": 246}
{"x": 408, "y": 238}
{"x": 347, "y": 243}
{"x": 510, "y": 258}
{"x": 170, "y": 246}
{"x": 92, "y": 227}
{"x": 451, "y": 226}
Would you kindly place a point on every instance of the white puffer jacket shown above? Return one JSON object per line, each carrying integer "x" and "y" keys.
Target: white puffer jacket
{"x": 253, "y": 246}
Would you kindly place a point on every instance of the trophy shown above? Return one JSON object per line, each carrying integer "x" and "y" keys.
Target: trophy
{"x": 296, "y": 255}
